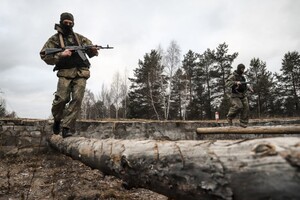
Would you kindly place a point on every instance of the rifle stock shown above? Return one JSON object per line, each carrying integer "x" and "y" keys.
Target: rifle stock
{"x": 49, "y": 51}
{"x": 247, "y": 82}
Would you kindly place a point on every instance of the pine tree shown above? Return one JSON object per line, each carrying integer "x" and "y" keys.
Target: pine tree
{"x": 263, "y": 84}
{"x": 220, "y": 72}
{"x": 189, "y": 66}
{"x": 177, "y": 110}
{"x": 222, "y": 66}
{"x": 197, "y": 105}
{"x": 202, "y": 101}
{"x": 278, "y": 108}
{"x": 147, "y": 88}
{"x": 290, "y": 79}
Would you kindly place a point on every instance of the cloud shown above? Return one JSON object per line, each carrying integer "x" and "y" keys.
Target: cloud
{"x": 262, "y": 29}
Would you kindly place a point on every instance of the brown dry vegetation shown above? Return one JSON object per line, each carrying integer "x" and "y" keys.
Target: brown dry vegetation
{"x": 51, "y": 175}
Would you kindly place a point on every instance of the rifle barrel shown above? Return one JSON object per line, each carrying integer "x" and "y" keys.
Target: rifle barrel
{"x": 103, "y": 47}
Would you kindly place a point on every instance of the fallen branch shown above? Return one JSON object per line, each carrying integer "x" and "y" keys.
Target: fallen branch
{"x": 235, "y": 169}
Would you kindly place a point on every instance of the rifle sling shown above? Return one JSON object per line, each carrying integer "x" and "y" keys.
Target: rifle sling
{"x": 77, "y": 39}
{"x": 61, "y": 40}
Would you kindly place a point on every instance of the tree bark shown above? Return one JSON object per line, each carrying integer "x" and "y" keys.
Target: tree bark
{"x": 294, "y": 129}
{"x": 222, "y": 169}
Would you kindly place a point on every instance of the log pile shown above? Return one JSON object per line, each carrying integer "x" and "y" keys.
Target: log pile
{"x": 211, "y": 169}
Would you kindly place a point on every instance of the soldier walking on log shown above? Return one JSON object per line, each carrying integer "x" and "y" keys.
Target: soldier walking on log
{"x": 238, "y": 98}
{"x": 72, "y": 73}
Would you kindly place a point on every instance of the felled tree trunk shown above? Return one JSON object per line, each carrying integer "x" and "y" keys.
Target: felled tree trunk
{"x": 249, "y": 169}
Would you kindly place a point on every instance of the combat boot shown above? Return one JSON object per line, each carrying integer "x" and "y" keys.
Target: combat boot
{"x": 243, "y": 125}
{"x": 66, "y": 132}
{"x": 229, "y": 121}
{"x": 56, "y": 127}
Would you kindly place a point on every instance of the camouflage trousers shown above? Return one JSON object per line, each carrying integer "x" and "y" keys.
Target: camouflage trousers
{"x": 239, "y": 106}
{"x": 66, "y": 105}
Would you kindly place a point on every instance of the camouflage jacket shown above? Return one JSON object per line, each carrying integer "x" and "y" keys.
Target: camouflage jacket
{"x": 236, "y": 91}
{"x": 70, "y": 67}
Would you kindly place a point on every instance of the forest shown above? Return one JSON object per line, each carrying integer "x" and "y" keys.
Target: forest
{"x": 166, "y": 87}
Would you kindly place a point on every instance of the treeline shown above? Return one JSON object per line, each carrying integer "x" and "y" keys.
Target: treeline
{"x": 4, "y": 113}
{"x": 164, "y": 87}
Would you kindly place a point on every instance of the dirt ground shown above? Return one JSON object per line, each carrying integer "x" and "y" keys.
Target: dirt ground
{"x": 50, "y": 175}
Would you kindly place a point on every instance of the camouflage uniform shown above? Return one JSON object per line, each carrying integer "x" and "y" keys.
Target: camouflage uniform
{"x": 238, "y": 99}
{"x": 72, "y": 75}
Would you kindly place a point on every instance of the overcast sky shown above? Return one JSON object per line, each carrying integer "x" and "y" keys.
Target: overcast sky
{"x": 265, "y": 29}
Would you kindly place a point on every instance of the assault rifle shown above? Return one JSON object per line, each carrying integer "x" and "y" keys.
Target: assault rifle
{"x": 245, "y": 83}
{"x": 81, "y": 50}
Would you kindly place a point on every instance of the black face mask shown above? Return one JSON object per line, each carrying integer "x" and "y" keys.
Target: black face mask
{"x": 240, "y": 71}
{"x": 67, "y": 29}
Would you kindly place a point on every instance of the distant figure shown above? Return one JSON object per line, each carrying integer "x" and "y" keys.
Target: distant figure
{"x": 72, "y": 74}
{"x": 238, "y": 98}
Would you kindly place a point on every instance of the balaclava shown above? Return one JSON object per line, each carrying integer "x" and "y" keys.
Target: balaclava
{"x": 239, "y": 69}
{"x": 67, "y": 29}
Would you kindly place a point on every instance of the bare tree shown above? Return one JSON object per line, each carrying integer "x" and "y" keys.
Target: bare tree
{"x": 2, "y": 107}
{"x": 161, "y": 52}
{"x": 124, "y": 92}
{"x": 116, "y": 92}
{"x": 103, "y": 97}
{"x": 87, "y": 102}
{"x": 171, "y": 62}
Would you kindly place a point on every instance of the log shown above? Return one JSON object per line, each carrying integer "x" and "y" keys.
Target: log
{"x": 266, "y": 168}
{"x": 295, "y": 129}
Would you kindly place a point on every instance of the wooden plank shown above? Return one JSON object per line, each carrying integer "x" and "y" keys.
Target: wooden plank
{"x": 294, "y": 129}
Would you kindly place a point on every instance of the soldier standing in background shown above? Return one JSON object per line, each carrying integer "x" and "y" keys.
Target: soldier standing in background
{"x": 72, "y": 73}
{"x": 238, "y": 98}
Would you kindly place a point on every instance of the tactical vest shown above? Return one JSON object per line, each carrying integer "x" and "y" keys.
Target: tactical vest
{"x": 241, "y": 88}
{"x": 74, "y": 60}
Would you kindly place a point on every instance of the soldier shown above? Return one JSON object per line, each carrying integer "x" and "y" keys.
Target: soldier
{"x": 238, "y": 98}
{"x": 72, "y": 73}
